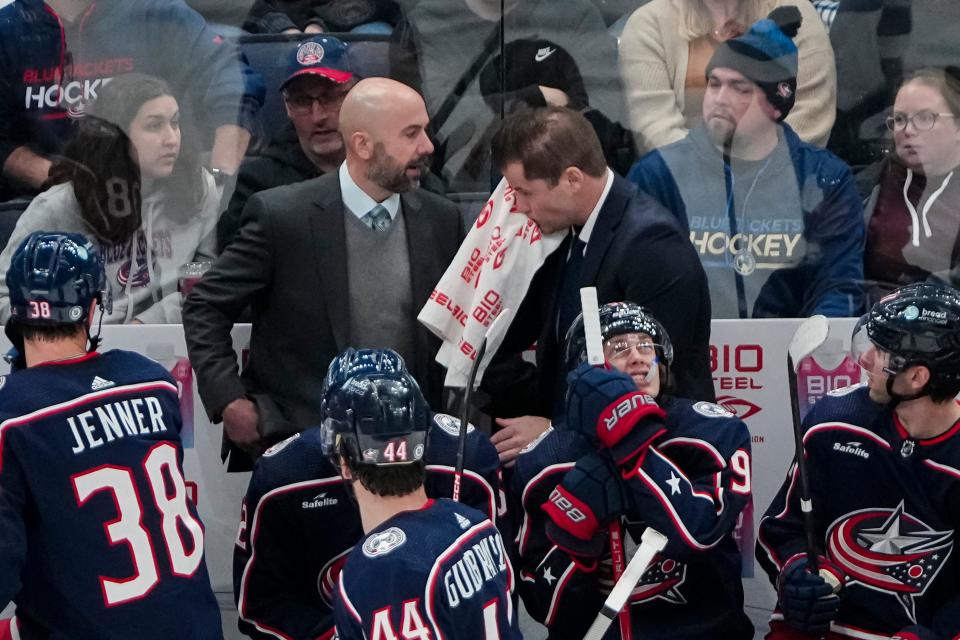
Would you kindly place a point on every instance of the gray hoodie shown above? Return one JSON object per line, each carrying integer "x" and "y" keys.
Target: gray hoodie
{"x": 141, "y": 275}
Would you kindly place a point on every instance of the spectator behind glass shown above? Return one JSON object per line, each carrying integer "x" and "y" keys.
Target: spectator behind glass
{"x": 56, "y": 56}
{"x": 317, "y": 80}
{"x": 664, "y": 51}
{"x": 125, "y": 182}
{"x": 320, "y": 16}
{"x": 913, "y": 196}
{"x": 777, "y": 222}
{"x": 440, "y": 46}
{"x": 540, "y": 72}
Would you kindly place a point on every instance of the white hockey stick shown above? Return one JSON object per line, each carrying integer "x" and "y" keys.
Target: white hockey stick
{"x": 492, "y": 330}
{"x": 652, "y": 542}
{"x": 809, "y": 336}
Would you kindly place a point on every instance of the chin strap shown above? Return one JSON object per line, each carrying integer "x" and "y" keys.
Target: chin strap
{"x": 95, "y": 340}
{"x": 896, "y": 398}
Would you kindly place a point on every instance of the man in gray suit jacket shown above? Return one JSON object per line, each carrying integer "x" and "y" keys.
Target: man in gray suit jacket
{"x": 346, "y": 259}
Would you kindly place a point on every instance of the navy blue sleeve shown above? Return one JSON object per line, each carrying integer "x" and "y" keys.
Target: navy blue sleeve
{"x": 835, "y": 230}
{"x": 692, "y": 490}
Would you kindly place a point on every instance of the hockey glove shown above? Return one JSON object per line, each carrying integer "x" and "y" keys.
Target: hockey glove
{"x": 608, "y": 409}
{"x": 583, "y": 506}
{"x": 808, "y": 601}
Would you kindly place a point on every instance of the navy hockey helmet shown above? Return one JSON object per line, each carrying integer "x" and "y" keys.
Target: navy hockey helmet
{"x": 53, "y": 278}
{"x": 616, "y": 319}
{"x": 377, "y": 419}
{"x": 918, "y": 324}
{"x": 351, "y": 362}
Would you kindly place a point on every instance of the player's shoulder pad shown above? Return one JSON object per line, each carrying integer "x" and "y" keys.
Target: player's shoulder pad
{"x": 706, "y": 421}
{"x": 851, "y": 404}
{"x": 445, "y": 423}
{"x": 280, "y": 446}
{"x": 556, "y": 445}
{"x": 299, "y": 458}
{"x": 536, "y": 441}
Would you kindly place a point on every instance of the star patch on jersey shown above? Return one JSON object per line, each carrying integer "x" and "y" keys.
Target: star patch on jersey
{"x": 382, "y": 543}
{"x": 280, "y": 446}
{"x": 450, "y": 424}
{"x": 711, "y": 410}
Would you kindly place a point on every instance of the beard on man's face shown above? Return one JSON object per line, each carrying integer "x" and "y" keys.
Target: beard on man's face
{"x": 388, "y": 173}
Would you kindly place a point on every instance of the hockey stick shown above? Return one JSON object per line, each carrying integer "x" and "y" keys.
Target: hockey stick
{"x": 468, "y": 391}
{"x": 593, "y": 337}
{"x": 809, "y": 336}
{"x": 652, "y": 542}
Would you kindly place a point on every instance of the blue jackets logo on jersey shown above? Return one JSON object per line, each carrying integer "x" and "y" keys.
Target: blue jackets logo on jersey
{"x": 661, "y": 580}
{"x": 889, "y": 550}
{"x": 384, "y": 542}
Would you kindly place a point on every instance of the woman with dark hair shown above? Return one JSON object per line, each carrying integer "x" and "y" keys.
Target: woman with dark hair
{"x": 126, "y": 182}
{"x": 912, "y": 196}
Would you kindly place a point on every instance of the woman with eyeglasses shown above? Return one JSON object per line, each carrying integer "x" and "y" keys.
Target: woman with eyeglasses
{"x": 128, "y": 181}
{"x": 912, "y": 196}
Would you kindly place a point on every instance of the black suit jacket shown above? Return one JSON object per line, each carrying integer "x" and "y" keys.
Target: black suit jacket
{"x": 636, "y": 252}
{"x": 289, "y": 262}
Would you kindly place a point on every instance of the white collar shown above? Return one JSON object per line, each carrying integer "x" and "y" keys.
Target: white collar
{"x": 358, "y": 202}
{"x": 592, "y": 220}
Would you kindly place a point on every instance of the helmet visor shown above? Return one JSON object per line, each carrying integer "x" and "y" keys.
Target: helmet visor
{"x": 622, "y": 346}
{"x": 873, "y": 360}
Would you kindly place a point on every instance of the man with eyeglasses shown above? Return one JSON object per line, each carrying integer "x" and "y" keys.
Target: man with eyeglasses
{"x": 318, "y": 77}
{"x": 629, "y": 450}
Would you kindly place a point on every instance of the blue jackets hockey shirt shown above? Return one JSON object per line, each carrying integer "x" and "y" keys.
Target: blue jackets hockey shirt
{"x": 886, "y": 510}
{"x": 298, "y": 523}
{"x": 691, "y": 486}
{"x": 438, "y": 573}
{"x": 98, "y": 538}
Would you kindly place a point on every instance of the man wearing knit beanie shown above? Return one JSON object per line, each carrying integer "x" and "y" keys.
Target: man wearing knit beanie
{"x": 777, "y": 222}
{"x": 767, "y": 56}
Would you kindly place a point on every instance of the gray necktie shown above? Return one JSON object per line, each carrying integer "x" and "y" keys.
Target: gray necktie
{"x": 378, "y": 218}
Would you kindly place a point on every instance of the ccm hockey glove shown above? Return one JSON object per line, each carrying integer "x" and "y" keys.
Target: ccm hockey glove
{"x": 606, "y": 407}
{"x": 582, "y": 507}
{"x": 809, "y": 602}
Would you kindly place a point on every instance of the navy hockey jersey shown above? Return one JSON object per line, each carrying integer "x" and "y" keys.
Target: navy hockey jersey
{"x": 691, "y": 486}
{"x": 886, "y": 510}
{"x": 439, "y": 572}
{"x": 98, "y": 538}
{"x": 298, "y": 523}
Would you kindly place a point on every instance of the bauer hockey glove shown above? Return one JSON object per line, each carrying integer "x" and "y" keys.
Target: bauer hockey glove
{"x": 606, "y": 407}
{"x": 582, "y": 507}
{"x": 809, "y": 602}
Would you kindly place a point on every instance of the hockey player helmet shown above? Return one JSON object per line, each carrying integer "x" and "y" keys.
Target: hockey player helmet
{"x": 378, "y": 419}
{"x": 918, "y": 324}
{"x": 53, "y": 278}
{"x": 619, "y": 319}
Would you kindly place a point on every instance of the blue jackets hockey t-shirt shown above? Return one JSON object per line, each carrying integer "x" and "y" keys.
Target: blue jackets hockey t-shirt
{"x": 439, "y": 572}
{"x": 97, "y": 536}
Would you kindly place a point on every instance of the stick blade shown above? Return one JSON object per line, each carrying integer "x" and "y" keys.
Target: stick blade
{"x": 809, "y": 336}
